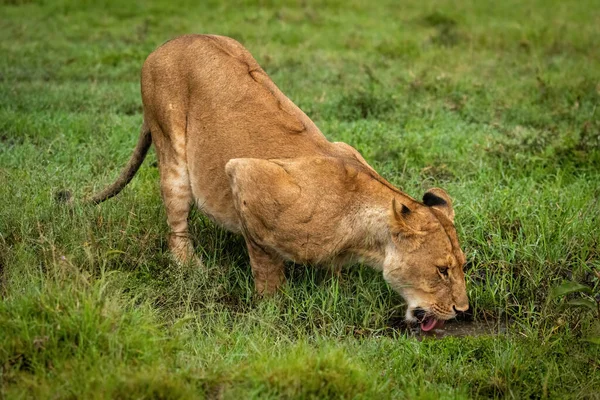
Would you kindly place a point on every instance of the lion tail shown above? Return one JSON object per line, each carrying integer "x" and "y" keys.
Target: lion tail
{"x": 127, "y": 174}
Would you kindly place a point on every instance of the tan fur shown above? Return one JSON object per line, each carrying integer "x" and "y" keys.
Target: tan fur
{"x": 229, "y": 141}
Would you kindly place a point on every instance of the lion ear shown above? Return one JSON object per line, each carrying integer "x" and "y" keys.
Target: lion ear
{"x": 439, "y": 199}
{"x": 399, "y": 221}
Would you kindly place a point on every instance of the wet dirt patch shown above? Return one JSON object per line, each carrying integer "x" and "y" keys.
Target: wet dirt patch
{"x": 463, "y": 325}
{"x": 461, "y": 329}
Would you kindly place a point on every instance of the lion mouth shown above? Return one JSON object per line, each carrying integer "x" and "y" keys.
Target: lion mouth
{"x": 430, "y": 322}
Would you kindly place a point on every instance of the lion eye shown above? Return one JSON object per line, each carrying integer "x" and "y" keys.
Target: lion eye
{"x": 443, "y": 271}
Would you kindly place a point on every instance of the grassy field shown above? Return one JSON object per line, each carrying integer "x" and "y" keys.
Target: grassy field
{"x": 494, "y": 101}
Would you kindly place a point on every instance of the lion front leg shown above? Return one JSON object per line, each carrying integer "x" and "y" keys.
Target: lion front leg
{"x": 267, "y": 269}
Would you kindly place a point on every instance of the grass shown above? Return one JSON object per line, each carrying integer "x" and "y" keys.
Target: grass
{"x": 495, "y": 102}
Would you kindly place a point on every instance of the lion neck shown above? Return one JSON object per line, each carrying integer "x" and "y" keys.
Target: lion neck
{"x": 371, "y": 239}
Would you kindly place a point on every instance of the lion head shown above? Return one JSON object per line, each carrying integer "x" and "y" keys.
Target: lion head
{"x": 424, "y": 262}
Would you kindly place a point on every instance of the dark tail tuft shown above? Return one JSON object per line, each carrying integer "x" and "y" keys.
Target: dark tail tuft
{"x": 63, "y": 197}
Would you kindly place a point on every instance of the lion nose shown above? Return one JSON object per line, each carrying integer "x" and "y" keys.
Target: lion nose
{"x": 461, "y": 307}
{"x": 419, "y": 314}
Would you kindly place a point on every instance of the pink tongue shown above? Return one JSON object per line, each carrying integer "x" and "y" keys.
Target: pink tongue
{"x": 430, "y": 323}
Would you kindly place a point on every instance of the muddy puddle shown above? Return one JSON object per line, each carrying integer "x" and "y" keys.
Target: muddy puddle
{"x": 462, "y": 329}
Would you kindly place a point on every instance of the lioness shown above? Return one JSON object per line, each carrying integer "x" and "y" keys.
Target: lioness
{"x": 228, "y": 140}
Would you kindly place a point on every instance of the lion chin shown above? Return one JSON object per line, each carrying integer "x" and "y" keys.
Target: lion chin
{"x": 230, "y": 142}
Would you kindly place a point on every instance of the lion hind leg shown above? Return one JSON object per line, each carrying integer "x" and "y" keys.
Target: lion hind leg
{"x": 177, "y": 197}
{"x": 176, "y": 191}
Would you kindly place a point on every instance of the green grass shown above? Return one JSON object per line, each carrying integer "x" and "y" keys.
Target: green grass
{"x": 494, "y": 101}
